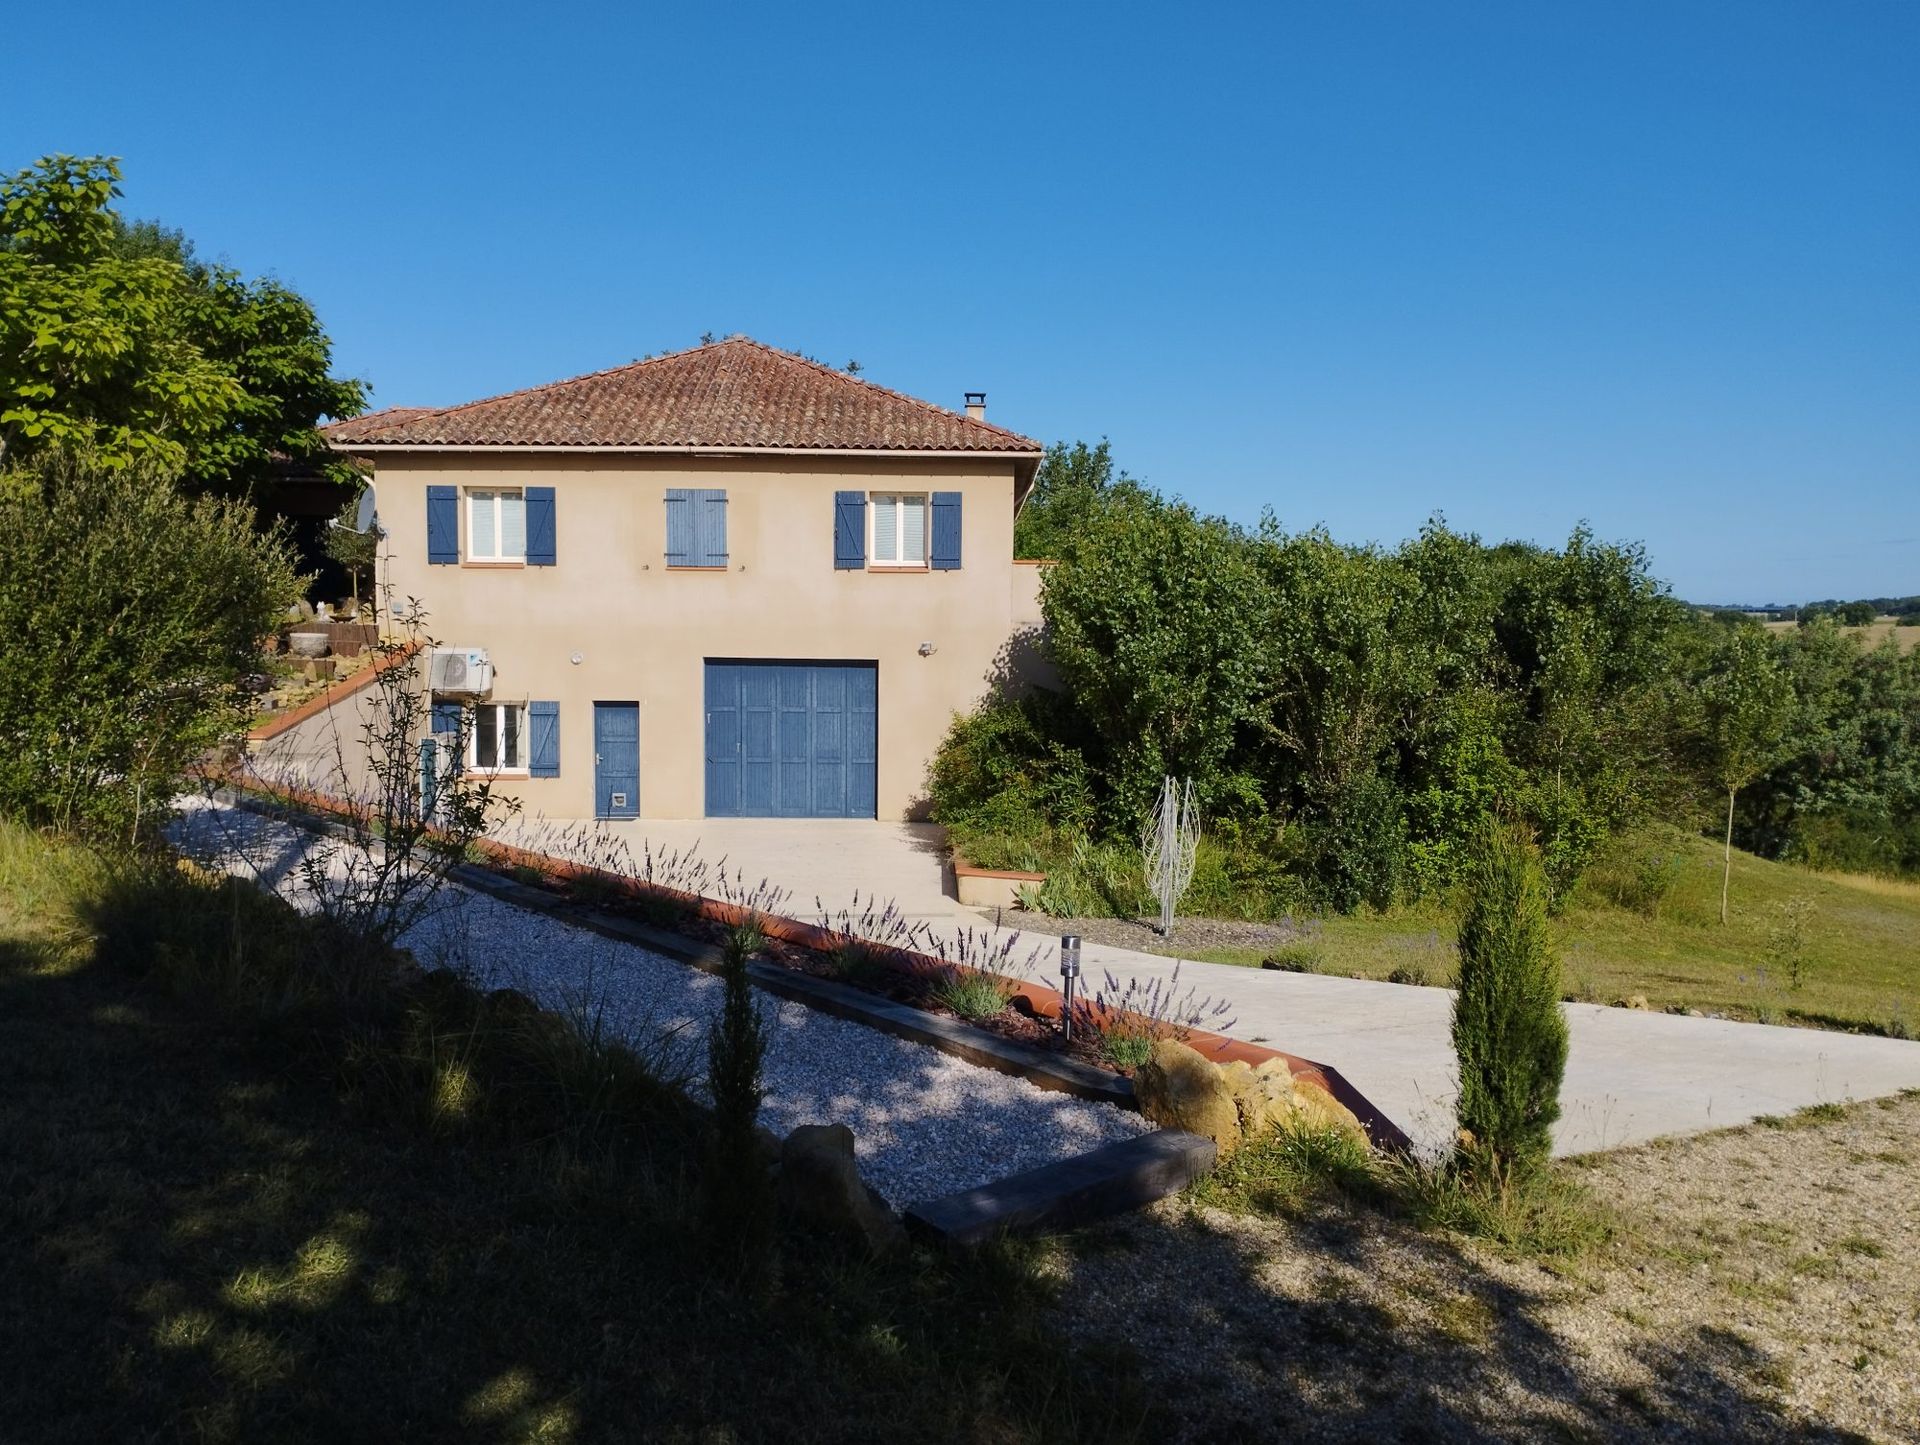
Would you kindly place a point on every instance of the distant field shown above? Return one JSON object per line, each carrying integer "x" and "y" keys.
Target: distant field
{"x": 1860, "y": 956}
{"x": 1871, "y": 635}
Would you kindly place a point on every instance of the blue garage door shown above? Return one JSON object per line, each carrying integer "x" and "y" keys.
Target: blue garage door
{"x": 791, "y": 739}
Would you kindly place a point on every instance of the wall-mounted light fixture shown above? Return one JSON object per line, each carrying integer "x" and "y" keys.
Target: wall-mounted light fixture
{"x": 577, "y": 659}
{"x": 927, "y": 649}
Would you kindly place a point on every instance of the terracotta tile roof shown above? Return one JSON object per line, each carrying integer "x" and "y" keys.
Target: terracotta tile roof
{"x": 732, "y": 393}
{"x": 355, "y": 427}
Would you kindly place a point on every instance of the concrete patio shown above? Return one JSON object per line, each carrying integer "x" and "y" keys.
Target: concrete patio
{"x": 1631, "y": 1076}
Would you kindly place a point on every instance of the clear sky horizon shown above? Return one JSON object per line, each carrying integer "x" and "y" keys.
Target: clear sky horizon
{"x": 1654, "y": 266}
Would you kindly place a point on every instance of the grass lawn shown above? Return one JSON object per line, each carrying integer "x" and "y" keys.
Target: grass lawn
{"x": 1860, "y": 955}
{"x": 261, "y": 1223}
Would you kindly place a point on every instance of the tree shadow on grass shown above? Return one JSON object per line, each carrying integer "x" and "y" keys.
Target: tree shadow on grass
{"x": 212, "y": 1229}
{"x": 1342, "y": 1326}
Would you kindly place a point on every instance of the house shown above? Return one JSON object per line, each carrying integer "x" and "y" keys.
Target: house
{"x": 725, "y": 582}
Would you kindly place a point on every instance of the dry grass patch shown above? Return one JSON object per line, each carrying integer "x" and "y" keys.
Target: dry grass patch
{"x": 1722, "y": 1303}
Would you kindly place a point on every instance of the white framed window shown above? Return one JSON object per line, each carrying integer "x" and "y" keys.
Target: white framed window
{"x": 899, "y": 523}
{"x": 498, "y": 740}
{"x": 496, "y": 524}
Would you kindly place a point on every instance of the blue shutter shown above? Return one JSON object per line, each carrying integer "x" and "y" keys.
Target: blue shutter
{"x": 679, "y": 527}
{"x": 945, "y": 553}
{"x": 849, "y": 529}
{"x": 446, "y": 718}
{"x": 443, "y": 526}
{"x": 543, "y": 724}
{"x": 710, "y": 528}
{"x": 540, "y": 527}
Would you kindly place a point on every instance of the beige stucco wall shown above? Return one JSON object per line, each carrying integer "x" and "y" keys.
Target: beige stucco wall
{"x": 326, "y": 753}
{"x": 644, "y": 632}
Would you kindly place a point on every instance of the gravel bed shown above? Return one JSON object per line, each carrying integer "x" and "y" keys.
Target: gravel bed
{"x": 925, "y": 1122}
{"x": 1190, "y": 935}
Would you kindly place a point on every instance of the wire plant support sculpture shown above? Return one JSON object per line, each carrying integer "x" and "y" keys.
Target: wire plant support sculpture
{"x": 1169, "y": 843}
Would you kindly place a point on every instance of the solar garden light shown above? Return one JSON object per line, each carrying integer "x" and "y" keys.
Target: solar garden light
{"x": 1069, "y": 971}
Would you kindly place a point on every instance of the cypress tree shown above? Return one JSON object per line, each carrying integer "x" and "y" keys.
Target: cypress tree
{"x": 1508, "y": 1030}
{"x": 737, "y": 1202}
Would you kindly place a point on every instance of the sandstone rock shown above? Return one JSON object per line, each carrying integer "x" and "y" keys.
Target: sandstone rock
{"x": 821, "y": 1184}
{"x": 1262, "y": 1095}
{"x": 1317, "y": 1109}
{"x": 1178, "y": 1089}
{"x": 1637, "y": 1001}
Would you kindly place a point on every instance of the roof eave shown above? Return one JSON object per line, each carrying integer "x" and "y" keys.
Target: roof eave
{"x": 1031, "y": 456}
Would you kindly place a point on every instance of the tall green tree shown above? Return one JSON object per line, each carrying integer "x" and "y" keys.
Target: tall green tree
{"x": 1073, "y": 484}
{"x": 116, "y": 339}
{"x": 1154, "y": 624}
{"x": 1746, "y": 704}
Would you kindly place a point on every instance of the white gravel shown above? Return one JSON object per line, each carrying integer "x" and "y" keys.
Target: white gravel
{"x": 925, "y": 1122}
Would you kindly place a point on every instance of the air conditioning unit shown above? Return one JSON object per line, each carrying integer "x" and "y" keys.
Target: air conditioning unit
{"x": 460, "y": 670}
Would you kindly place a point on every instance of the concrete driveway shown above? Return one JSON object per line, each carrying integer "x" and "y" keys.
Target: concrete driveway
{"x": 1631, "y": 1076}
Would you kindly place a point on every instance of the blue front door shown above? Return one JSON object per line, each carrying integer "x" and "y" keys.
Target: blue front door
{"x": 616, "y": 759}
{"x": 791, "y": 739}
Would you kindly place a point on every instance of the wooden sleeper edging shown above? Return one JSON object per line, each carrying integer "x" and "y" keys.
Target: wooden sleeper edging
{"x": 1113, "y": 1179}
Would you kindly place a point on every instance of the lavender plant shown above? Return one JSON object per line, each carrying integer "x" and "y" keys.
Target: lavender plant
{"x": 1130, "y": 1019}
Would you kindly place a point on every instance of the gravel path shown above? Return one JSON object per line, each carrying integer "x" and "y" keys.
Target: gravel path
{"x": 925, "y": 1122}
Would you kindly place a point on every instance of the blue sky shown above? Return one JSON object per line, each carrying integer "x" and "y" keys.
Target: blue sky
{"x": 1656, "y": 266}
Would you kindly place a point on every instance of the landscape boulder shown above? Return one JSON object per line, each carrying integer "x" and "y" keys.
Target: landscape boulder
{"x": 1262, "y": 1094}
{"x": 820, "y": 1184}
{"x": 1316, "y": 1108}
{"x": 1179, "y": 1089}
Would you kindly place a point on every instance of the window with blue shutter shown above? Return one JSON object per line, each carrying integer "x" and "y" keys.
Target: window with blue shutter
{"x": 443, "y": 526}
{"x": 540, "y": 527}
{"x": 696, "y": 527}
{"x": 944, "y": 555}
{"x": 446, "y": 719}
{"x": 679, "y": 527}
{"x": 710, "y": 527}
{"x": 849, "y": 530}
{"x": 543, "y": 725}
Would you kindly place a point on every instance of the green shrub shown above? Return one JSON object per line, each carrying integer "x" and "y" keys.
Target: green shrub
{"x": 1856, "y": 841}
{"x": 1097, "y": 880}
{"x": 1508, "y": 1029}
{"x": 1542, "y": 1212}
{"x": 1638, "y": 871}
{"x": 1006, "y": 770}
{"x": 1290, "y": 1167}
{"x": 132, "y": 618}
{"x": 1787, "y": 940}
{"x": 1247, "y": 869}
{"x": 972, "y": 994}
{"x": 1125, "y": 1047}
{"x": 1294, "y": 958}
{"x": 1360, "y": 847}
{"x": 855, "y": 962}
